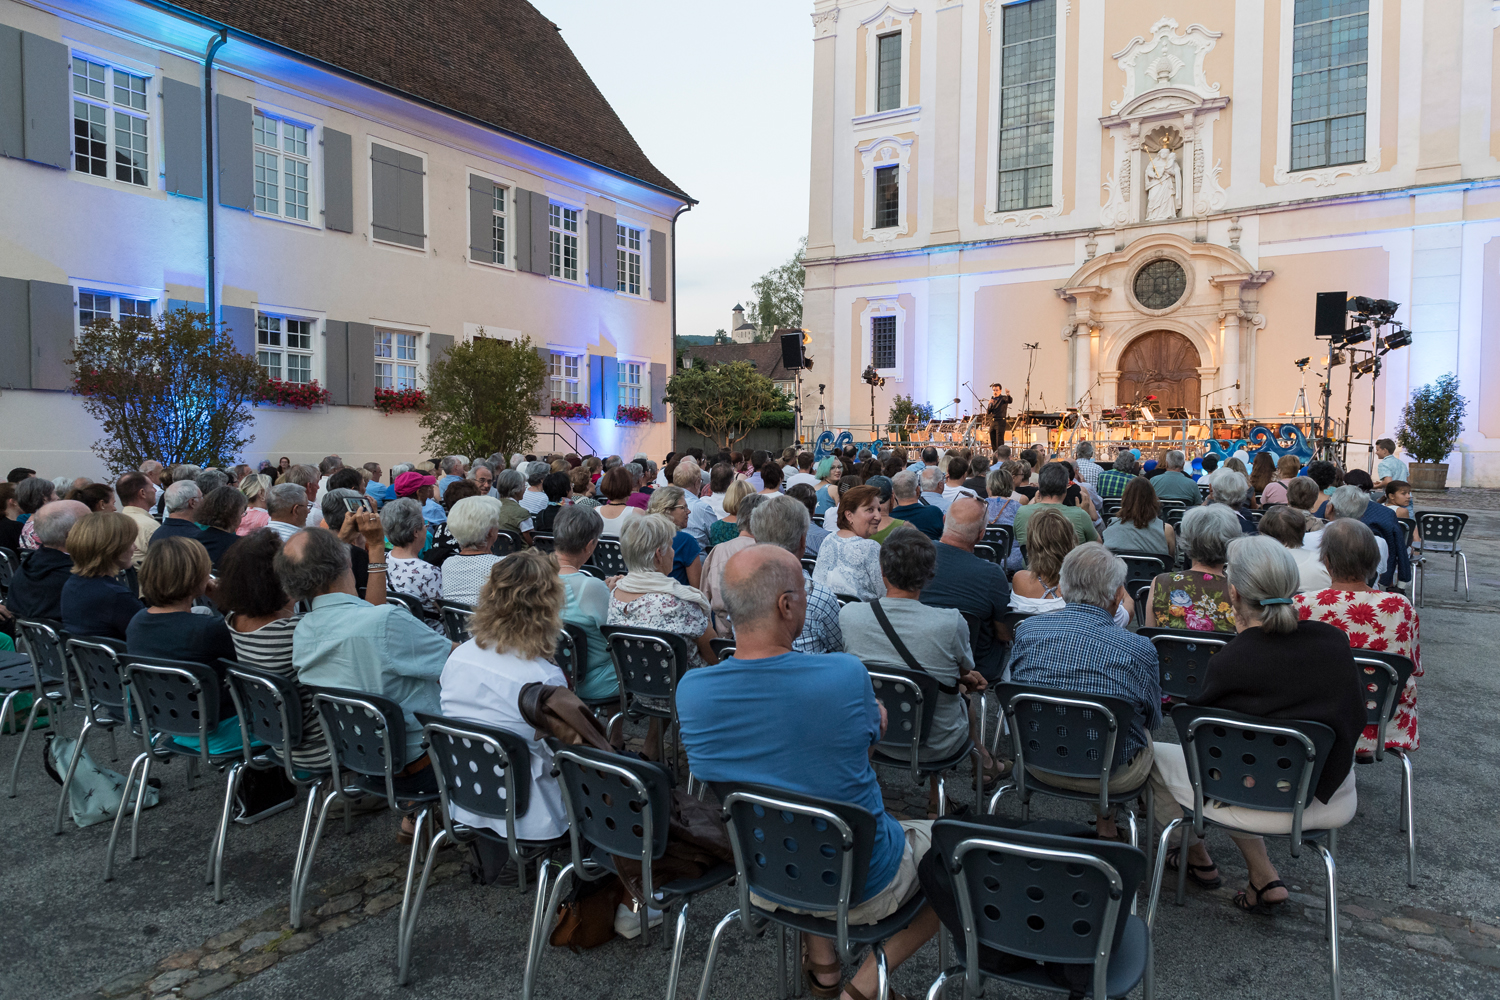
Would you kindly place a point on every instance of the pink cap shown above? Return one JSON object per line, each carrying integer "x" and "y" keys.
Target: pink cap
{"x": 409, "y": 482}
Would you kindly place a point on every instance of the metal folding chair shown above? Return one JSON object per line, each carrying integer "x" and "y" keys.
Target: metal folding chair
{"x": 809, "y": 563}
{"x": 1440, "y": 532}
{"x": 102, "y": 694}
{"x": 456, "y": 619}
{"x": 543, "y": 540}
{"x": 609, "y": 557}
{"x": 571, "y": 654}
{"x": 9, "y": 563}
{"x": 50, "y": 683}
{"x": 844, "y": 599}
{"x": 1384, "y": 676}
{"x": 1003, "y": 538}
{"x": 408, "y": 602}
{"x": 1140, "y": 569}
{"x": 910, "y": 700}
{"x": 649, "y": 663}
{"x": 1183, "y": 657}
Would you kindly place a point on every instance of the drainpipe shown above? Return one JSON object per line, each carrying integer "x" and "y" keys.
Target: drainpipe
{"x": 210, "y": 299}
{"x": 672, "y": 367}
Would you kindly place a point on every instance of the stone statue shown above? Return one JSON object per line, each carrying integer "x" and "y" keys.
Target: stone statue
{"x": 1163, "y": 186}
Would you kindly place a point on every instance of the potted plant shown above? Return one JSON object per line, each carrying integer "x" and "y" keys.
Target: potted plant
{"x": 907, "y": 413}
{"x": 390, "y": 401}
{"x": 1431, "y": 423}
{"x": 570, "y": 411}
{"x": 632, "y": 414}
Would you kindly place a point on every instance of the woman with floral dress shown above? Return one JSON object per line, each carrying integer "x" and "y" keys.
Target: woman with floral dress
{"x": 406, "y": 571}
{"x": 1197, "y": 598}
{"x": 1373, "y": 619}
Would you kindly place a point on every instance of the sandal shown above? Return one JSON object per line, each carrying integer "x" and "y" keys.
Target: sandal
{"x": 995, "y": 772}
{"x": 1261, "y": 904}
{"x": 1174, "y": 854}
{"x": 810, "y": 972}
{"x": 857, "y": 995}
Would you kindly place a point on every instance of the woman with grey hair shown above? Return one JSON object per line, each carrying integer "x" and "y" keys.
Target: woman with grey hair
{"x": 406, "y": 571}
{"x": 510, "y": 485}
{"x": 687, "y": 554}
{"x": 1279, "y": 666}
{"x": 474, "y": 523}
{"x": 32, "y": 495}
{"x": 575, "y": 534}
{"x": 1197, "y": 598}
{"x": 1232, "y": 488}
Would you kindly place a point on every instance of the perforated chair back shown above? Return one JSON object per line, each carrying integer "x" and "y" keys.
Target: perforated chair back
{"x": 177, "y": 698}
{"x": 1141, "y": 568}
{"x": 1167, "y": 504}
{"x": 571, "y": 655}
{"x": 987, "y": 552}
{"x": 366, "y": 733}
{"x": 809, "y": 563}
{"x": 1205, "y": 491}
{"x": 1013, "y": 618}
{"x": 650, "y": 662}
{"x": 46, "y": 644}
{"x": 1003, "y": 537}
{"x": 9, "y": 563}
{"x": 723, "y": 647}
{"x": 615, "y": 804}
{"x": 484, "y": 769}
{"x": 543, "y": 540}
{"x": 1239, "y": 760}
{"x": 797, "y": 850}
{"x": 269, "y": 707}
{"x": 910, "y": 699}
{"x": 456, "y": 619}
{"x": 1440, "y": 530}
{"x": 1065, "y": 732}
{"x": 408, "y": 602}
{"x": 609, "y": 557}
{"x": 1042, "y": 896}
{"x": 101, "y": 678}
{"x": 1183, "y": 658}
{"x": 1408, "y": 527}
{"x": 1383, "y": 676}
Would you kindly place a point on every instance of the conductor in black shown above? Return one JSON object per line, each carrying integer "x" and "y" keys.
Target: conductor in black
{"x": 999, "y": 403}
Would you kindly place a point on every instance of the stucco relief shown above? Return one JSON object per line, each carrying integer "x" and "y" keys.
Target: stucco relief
{"x": 825, "y": 23}
{"x": 1169, "y": 58}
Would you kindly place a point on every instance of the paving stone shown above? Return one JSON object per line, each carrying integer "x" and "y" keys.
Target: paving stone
{"x": 1482, "y": 956}
{"x": 1488, "y": 930}
{"x": 310, "y": 902}
{"x": 217, "y": 960}
{"x": 341, "y": 885}
{"x": 376, "y": 886}
{"x": 1379, "y": 932}
{"x": 298, "y": 942}
{"x": 447, "y": 869}
{"x": 207, "y": 985}
{"x": 1359, "y": 911}
{"x": 226, "y": 939}
{"x": 380, "y": 904}
{"x": 182, "y": 960}
{"x": 260, "y": 940}
{"x": 270, "y": 919}
{"x": 340, "y": 904}
{"x": 1428, "y": 943}
{"x": 256, "y": 963}
{"x": 127, "y": 983}
{"x": 1306, "y": 900}
{"x": 1433, "y": 917}
{"x": 376, "y": 871}
{"x": 165, "y": 982}
{"x": 337, "y": 923}
{"x": 1409, "y": 925}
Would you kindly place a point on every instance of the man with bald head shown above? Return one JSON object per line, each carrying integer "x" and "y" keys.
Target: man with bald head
{"x": 803, "y": 722}
{"x": 36, "y": 590}
{"x": 973, "y": 585}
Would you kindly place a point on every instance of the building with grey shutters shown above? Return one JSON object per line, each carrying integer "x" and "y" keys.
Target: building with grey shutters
{"x": 377, "y": 189}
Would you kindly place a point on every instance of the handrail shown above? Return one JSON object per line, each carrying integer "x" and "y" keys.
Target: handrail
{"x": 579, "y": 444}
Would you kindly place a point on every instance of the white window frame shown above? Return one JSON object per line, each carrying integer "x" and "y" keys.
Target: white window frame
{"x": 114, "y": 293}
{"x": 1374, "y": 64}
{"x": 310, "y": 158}
{"x": 888, "y": 151}
{"x": 1060, "y": 121}
{"x": 561, "y": 232}
{"x": 890, "y": 20}
{"x": 396, "y": 362}
{"x": 641, "y": 388}
{"x": 623, "y": 256}
{"x": 284, "y": 349}
{"x": 500, "y": 223}
{"x": 558, "y": 377}
{"x": 112, "y": 111}
{"x": 883, "y": 305}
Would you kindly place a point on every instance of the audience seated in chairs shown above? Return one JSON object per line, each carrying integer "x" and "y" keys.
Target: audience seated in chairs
{"x": 262, "y": 621}
{"x": 849, "y": 560}
{"x": 701, "y": 516}
{"x": 287, "y": 505}
{"x": 1138, "y": 527}
{"x": 1232, "y": 489}
{"x": 406, "y": 572}
{"x": 344, "y": 642}
{"x": 1289, "y": 527}
{"x": 514, "y": 630}
{"x": 617, "y": 510}
{"x": 937, "y": 638}
{"x": 926, "y": 518}
{"x": 1277, "y": 667}
{"x": 728, "y": 527}
{"x": 1303, "y": 496}
{"x": 37, "y": 588}
{"x": 1354, "y": 502}
{"x": 181, "y": 506}
{"x": 972, "y": 585}
{"x": 510, "y": 485}
{"x": 1325, "y": 476}
{"x": 136, "y": 497}
{"x": 1275, "y": 492}
{"x": 805, "y": 494}
{"x": 687, "y": 554}
{"x": 94, "y": 601}
{"x": 1175, "y": 484}
{"x": 474, "y": 523}
{"x": 719, "y": 555}
{"x": 1037, "y": 589}
{"x": 10, "y": 518}
{"x": 556, "y": 486}
{"x": 98, "y": 497}
{"x": 585, "y": 599}
{"x": 1083, "y": 648}
{"x": 1051, "y": 491}
{"x": 804, "y": 723}
{"x": 219, "y": 514}
{"x": 784, "y": 522}
{"x": 256, "y": 489}
{"x": 31, "y": 496}
{"x": 1371, "y": 618}
{"x": 1197, "y": 598}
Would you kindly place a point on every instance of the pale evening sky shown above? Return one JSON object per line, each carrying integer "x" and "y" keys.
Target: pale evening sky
{"x": 722, "y": 106}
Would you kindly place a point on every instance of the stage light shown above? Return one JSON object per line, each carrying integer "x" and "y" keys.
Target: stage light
{"x": 1303, "y": 363}
{"x": 1379, "y": 311}
{"x": 1355, "y": 335}
{"x": 1399, "y": 338}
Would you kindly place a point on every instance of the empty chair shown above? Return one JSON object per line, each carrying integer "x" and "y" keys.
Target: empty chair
{"x": 608, "y": 558}
{"x": 1440, "y": 532}
{"x": 102, "y": 694}
{"x": 1384, "y": 675}
{"x": 910, "y": 699}
{"x": 1184, "y": 658}
{"x": 1046, "y": 897}
{"x": 50, "y": 684}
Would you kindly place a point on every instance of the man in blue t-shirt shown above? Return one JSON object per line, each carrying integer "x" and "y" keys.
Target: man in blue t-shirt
{"x": 803, "y": 722}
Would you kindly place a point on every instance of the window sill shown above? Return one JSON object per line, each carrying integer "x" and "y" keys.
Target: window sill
{"x": 574, "y": 282}
{"x": 490, "y": 264}
{"x": 300, "y": 223}
{"x": 391, "y": 245}
{"x": 911, "y": 113}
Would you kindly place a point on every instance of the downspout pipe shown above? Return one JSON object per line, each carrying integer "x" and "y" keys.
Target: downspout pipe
{"x": 210, "y": 296}
{"x": 672, "y": 367}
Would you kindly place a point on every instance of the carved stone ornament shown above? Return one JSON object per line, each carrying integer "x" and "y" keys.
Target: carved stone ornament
{"x": 1169, "y": 58}
{"x": 825, "y": 23}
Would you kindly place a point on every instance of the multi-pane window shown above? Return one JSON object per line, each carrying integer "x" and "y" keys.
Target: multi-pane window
{"x": 563, "y": 223}
{"x": 627, "y": 260}
{"x": 395, "y": 360}
{"x": 284, "y": 347}
{"x": 281, "y": 166}
{"x": 1330, "y": 63}
{"x": 1028, "y": 73}
{"x": 883, "y": 342}
{"x": 630, "y": 383}
{"x": 888, "y": 73}
{"x": 110, "y": 122}
{"x": 887, "y": 197}
{"x": 565, "y": 377}
{"x": 97, "y": 306}
{"x": 497, "y": 226}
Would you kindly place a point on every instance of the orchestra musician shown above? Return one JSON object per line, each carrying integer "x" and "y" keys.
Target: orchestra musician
{"x": 999, "y": 402}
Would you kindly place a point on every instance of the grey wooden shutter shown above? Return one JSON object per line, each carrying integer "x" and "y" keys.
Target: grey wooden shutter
{"x": 658, "y": 266}
{"x": 15, "y": 326}
{"x": 47, "y": 123}
{"x": 239, "y": 323}
{"x": 541, "y": 253}
{"x": 361, "y": 364}
{"x": 51, "y": 307}
{"x": 396, "y": 185}
{"x": 657, "y": 389}
{"x": 596, "y": 385}
{"x": 608, "y": 260}
{"x": 609, "y": 388}
{"x": 520, "y": 228}
{"x": 236, "y": 155}
{"x": 336, "y": 362}
{"x": 543, "y": 405}
{"x": 438, "y": 346}
{"x": 481, "y": 219}
{"x": 182, "y": 137}
{"x": 12, "y": 128}
{"x": 596, "y": 250}
{"x": 338, "y": 181}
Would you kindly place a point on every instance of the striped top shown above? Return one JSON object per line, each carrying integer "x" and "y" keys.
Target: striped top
{"x": 269, "y": 648}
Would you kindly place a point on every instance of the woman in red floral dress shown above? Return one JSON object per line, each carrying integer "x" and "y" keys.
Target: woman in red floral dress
{"x": 1373, "y": 619}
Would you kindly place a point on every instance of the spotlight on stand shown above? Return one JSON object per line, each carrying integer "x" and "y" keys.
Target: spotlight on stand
{"x": 1378, "y": 311}
{"x": 871, "y": 378}
{"x": 1354, "y": 335}
{"x": 1398, "y": 338}
{"x": 1369, "y": 366}
{"x": 1302, "y": 363}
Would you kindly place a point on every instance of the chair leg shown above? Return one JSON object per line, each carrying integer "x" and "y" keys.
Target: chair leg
{"x": 62, "y": 799}
{"x": 15, "y": 769}
{"x": 677, "y": 942}
{"x": 408, "y": 924}
{"x": 797, "y": 964}
{"x": 140, "y": 799}
{"x": 999, "y": 793}
{"x": 295, "y": 910}
{"x": 935, "y": 991}
{"x": 312, "y": 851}
{"x": 1160, "y": 870}
{"x": 882, "y": 973}
{"x": 216, "y": 853}
{"x": 114, "y": 833}
{"x": 1465, "y": 560}
{"x": 1408, "y": 814}
{"x": 781, "y": 984}
{"x": 1331, "y": 929}
{"x": 545, "y": 906}
{"x": 713, "y": 953}
{"x": 942, "y": 809}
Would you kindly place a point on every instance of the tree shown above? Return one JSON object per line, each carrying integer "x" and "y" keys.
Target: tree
{"x": 172, "y": 389}
{"x": 777, "y": 296}
{"x": 722, "y": 402}
{"x": 482, "y": 396}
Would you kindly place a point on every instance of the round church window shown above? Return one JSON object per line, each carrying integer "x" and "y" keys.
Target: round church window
{"x": 1160, "y": 284}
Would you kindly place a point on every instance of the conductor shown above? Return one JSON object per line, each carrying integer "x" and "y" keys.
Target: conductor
{"x": 999, "y": 403}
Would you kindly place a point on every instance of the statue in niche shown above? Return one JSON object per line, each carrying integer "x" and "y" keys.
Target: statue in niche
{"x": 1163, "y": 186}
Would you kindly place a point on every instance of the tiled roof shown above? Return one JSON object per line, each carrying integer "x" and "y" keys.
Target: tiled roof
{"x": 766, "y": 357}
{"x": 497, "y": 61}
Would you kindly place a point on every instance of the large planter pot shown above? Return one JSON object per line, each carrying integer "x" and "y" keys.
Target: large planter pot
{"x": 1429, "y": 475}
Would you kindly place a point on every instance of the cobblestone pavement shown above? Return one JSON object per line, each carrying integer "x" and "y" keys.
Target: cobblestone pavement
{"x": 154, "y": 932}
{"x": 1458, "y": 498}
